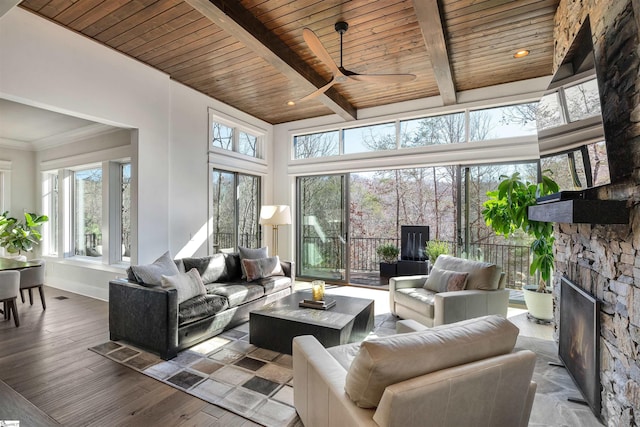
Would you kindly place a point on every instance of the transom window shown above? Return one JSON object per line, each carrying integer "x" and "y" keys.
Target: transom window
{"x": 230, "y": 137}
{"x": 459, "y": 127}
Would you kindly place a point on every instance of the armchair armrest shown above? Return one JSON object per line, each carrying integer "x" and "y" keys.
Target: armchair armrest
{"x": 144, "y": 316}
{"x": 402, "y": 282}
{"x": 450, "y": 307}
{"x": 318, "y": 388}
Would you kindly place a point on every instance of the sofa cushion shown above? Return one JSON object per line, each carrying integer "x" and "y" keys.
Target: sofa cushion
{"x": 445, "y": 280}
{"x": 188, "y": 285}
{"x": 151, "y": 274}
{"x": 417, "y": 299}
{"x": 274, "y": 283}
{"x": 385, "y": 361}
{"x": 211, "y": 268}
{"x": 344, "y": 354}
{"x": 251, "y": 253}
{"x": 236, "y": 293}
{"x": 262, "y": 267}
{"x": 482, "y": 275}
{"x": 200, "y": 307}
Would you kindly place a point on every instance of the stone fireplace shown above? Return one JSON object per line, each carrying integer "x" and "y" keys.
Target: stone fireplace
{"x": 605, "y": 259}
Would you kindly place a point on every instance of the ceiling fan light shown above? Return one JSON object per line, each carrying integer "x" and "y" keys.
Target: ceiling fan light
{"x": 521, "y": 53}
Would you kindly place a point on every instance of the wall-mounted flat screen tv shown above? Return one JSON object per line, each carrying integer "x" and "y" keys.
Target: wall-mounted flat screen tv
{"x": 571, "y": 137}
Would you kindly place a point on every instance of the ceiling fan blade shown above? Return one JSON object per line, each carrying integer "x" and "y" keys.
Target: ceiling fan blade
{"x": 320, "y": 91}
{"x": 383, "y": 78}
{"x": 318, "y": 49}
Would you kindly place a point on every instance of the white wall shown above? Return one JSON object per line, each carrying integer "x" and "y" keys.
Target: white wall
{"x": 21, "y": 175}
{"x": 47, "y": 66}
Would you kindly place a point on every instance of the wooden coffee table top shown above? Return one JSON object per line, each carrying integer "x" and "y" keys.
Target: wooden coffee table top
{"x": 338, "y": 316}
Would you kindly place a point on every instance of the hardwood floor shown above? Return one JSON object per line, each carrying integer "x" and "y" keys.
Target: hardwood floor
{"x": 47, "y": 361}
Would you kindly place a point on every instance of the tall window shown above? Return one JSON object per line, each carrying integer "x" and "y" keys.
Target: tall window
{"x": 235, "y": 210}
{"x": 125, "y": 211}
{"x": 89, "y": 210}
{"x": 87, "y": 218}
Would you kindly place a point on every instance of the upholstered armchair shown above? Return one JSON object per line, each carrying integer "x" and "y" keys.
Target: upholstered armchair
{"x": 456, "y": 289}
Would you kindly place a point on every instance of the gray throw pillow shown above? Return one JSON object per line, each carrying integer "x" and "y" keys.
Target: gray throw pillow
{"x": 445, "y": 280}
{"x": 262, "y": 267}
{"x": 188, "y": 285}
{"x": 151, "y": 274}
{"x": 211, "y": 268}
{"x": 250, "y": 253}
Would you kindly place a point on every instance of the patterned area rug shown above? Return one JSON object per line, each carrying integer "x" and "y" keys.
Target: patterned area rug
{"x": 229, "y": 372}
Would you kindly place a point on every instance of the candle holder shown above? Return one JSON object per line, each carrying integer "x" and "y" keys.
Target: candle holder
{"x": 317, "y": 290}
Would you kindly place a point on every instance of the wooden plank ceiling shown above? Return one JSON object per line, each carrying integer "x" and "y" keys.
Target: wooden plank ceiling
{"x": 251, "y": 54}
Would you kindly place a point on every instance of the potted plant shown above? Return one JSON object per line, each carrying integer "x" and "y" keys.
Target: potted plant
{"x": 435, "y": 248}
{"x": 17, "y": 237}
{"x": 506, "y": 211}
{"x": 389, "y": 255}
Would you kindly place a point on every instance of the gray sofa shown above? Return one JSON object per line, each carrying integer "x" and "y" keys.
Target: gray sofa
{"x": 483, "y": 293}
{"x": 151, "y": 318}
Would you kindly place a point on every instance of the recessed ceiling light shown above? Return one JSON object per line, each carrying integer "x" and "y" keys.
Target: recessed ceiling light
{"x": 291, "y": 103}
{"x": 521, "y": 53}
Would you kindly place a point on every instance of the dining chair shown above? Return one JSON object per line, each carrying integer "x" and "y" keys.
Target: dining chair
{"x": 33, "y": 277}
{"x": 9, "y": 286}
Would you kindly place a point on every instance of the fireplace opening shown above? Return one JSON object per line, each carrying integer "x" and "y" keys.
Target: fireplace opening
{"x": 579, "y": 340}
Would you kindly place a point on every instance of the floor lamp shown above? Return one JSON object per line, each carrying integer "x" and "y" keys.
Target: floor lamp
{"x": 275, "y": 215}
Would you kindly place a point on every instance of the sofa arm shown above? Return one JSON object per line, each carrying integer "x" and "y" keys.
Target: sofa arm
{"x": 144, "y": 316}
{"x": 403, "y": 282}
{"x": 318, "y": 388}
{"x": 289, "y": 269}
{"x": 450, "y": 307}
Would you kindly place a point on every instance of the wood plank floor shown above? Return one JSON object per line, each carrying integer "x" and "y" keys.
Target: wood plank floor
{"x": 47, "y": 361}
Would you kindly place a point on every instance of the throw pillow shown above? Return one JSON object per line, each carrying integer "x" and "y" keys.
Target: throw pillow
{"x": 250, "y": 253}
{"x": 151, "y": 274}
{"x": 262, "y": 267}
{"x": 188, "y": 285}
{"x": 381, "y": 362}
{"x": 445, "y": 280}
{"x": 211, "y": 268}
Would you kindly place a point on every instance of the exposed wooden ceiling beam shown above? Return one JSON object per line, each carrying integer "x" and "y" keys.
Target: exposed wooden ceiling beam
{"x": 7, "y": 5}
{"x": 428, "y": 16}
{"x": 231, "y": 17}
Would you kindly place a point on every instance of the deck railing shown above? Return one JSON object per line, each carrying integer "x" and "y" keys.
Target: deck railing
{"x": 514, "y": 259}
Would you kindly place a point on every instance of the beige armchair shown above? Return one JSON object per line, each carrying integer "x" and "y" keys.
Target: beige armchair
{"x": 463, "y": 374}
{"x": 458, "y": 289}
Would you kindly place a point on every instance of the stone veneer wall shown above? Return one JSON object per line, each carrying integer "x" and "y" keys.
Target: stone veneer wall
{"x": 605, "y": 259}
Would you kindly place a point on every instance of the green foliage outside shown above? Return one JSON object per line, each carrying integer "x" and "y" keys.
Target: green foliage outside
{"x": 18, "y": 237}
{"x": 389, "y": 253}
{"x": 506, "y": 211}
{"x": 435, "y": 248}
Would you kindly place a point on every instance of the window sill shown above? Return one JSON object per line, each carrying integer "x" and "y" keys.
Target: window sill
{"x": 120, "y": 268}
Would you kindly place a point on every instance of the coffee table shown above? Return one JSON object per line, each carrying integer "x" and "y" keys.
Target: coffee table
{"x": 275, "y": 325}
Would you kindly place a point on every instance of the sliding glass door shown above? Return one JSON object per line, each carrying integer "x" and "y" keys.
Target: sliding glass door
{"x": 322, "y": 232}
{"x": 235, "y": 209}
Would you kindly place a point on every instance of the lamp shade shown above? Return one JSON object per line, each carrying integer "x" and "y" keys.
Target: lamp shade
{"x": 275, "y": 215}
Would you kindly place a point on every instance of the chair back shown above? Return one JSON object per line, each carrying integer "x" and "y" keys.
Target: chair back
{"x": 9, "y": 284}
{"x": 32, "y": 276}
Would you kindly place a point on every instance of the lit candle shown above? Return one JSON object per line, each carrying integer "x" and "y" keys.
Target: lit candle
{"x": 317, "y": 290}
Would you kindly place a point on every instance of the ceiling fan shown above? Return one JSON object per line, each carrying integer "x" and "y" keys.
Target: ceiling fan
{"x": 341, "y": 74}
